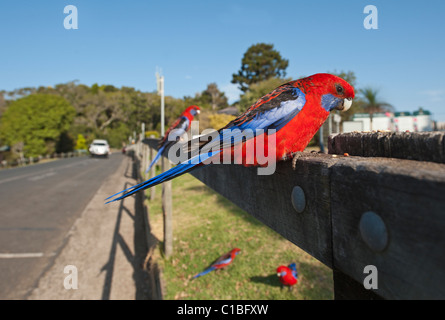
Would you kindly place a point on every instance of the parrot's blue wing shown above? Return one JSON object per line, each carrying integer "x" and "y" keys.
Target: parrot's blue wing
{"x": 274, "y": 114}
{"x": 223, "y": 261}
{"x": 293, "y": 267}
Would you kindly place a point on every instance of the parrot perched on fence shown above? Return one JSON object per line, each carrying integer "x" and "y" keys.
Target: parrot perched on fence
{"x": 293, "y": 112}
{"x": 221, "y": 262}
{"x": 177, "y": 129}
{"x": 288, "y": 275}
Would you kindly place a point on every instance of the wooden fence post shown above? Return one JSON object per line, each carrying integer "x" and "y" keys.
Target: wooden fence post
{"x": 167, "y": 210}
{"x": 152, "y": 172}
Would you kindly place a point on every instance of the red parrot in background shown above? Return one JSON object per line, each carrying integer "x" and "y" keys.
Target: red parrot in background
{"x": 293, "y": 113}
{"x": 177, "y": 129}
{"x": 221, "y": 262}
{"x": 288, "y": 275}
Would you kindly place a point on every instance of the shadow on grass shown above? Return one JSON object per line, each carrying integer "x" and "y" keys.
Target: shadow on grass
{"x": 270, "y": 280}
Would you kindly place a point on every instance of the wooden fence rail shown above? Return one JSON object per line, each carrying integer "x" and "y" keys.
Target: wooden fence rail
{"x": 350, "y": 212}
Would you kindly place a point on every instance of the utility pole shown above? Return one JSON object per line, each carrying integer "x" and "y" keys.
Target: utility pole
{"x": 160, "y": 85}
{"x": 166, "y": 186}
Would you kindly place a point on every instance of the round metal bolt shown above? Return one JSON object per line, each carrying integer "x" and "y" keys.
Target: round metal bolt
{"x": 298, "y": 199}
{"x": 373, "y": 231}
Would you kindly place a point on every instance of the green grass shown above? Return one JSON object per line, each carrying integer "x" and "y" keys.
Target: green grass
{"x": 205, "y": 226}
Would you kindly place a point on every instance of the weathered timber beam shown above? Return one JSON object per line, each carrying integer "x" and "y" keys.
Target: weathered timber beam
{"x": 422, "y": 146}
{"x": 390, "y": 213}
{"x": 385, "y": 212}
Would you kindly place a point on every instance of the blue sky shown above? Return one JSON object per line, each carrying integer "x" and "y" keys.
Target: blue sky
{"x": 197, "y": 42}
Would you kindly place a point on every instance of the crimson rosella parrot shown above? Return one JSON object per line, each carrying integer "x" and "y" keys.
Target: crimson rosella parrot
{"x": 288, "y": 275}
{"x": 293, "y": 112}
{"x": 176, "y": 130}
{"x": 221, "y": 262}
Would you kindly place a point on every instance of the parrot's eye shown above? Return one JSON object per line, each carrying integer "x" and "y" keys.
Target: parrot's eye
{"x": 339, "y": 89}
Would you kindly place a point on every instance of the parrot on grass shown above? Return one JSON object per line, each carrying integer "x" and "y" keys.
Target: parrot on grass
{"x": 293, "y": 112}
{"x": 220, "y": 263}
{"x": 288, "y": 275}
{"x": 178, "y": 128}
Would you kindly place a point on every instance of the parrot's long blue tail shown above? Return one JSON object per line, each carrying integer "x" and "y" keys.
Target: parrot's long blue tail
{"x": 158, "y": 155}
{"x": 204, "y": 272}
{"x": 165, "y": 176}
{"x": 172, "y": 173}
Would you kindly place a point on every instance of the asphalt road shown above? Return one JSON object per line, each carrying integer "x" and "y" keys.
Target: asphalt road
{"x": 38, "y": 206}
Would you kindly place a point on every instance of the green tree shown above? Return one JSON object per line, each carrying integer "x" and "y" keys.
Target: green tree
{"x": 39, "y": 121}
{"x": 210, "y": 98}
{"x": 260, "y": 62}
{"x": 372, "y": 103}
{"x": 214, "y": 97}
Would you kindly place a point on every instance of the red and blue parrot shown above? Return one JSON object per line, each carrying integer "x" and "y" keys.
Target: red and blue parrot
{"x": 288, "y": 275}
{"x": 221, "y": 262}
{"x": 293, "y": 112}
{"x": 177, "y": 129}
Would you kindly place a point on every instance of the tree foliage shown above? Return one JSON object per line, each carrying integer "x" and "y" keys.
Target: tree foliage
{"x": 372, "y": 104}
{"x": 104, "y": 111}
{"x": 215, "y": 98}
{"x": 211, "y": 98}
{"x": 260, "y": 62}
{"x": 39, "y": 121}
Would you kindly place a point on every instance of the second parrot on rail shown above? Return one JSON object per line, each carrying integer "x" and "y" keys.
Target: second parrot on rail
{"x": 175, "y": 131}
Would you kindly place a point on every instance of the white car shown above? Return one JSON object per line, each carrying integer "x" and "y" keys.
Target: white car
{"x": 99, "y": 147}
